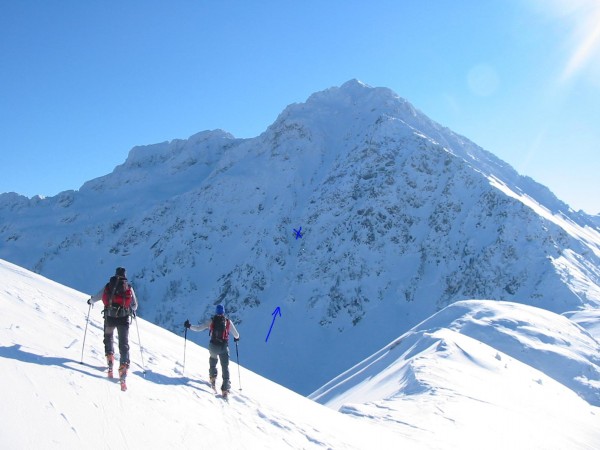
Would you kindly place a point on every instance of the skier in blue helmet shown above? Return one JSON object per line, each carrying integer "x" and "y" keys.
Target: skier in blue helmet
{"x": 219, "y": 326}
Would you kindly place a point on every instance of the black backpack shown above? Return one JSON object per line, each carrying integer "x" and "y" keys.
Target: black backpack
{"x": 218, "y": 329}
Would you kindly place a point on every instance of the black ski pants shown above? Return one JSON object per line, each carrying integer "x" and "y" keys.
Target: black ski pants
{"x": 122, "y": 326}
{"x": 219, "y": 351}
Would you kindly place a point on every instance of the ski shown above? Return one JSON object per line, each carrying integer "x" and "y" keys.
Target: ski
{"x": 123, "y": 385}
{"x": 110, "y": 372}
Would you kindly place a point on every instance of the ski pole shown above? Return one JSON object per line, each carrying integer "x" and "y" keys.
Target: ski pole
{"x": 85, "y": 332}
{"x": 238, "y": 363}
{"x": 140, "y": 343}
{"x": 184, "y": 345}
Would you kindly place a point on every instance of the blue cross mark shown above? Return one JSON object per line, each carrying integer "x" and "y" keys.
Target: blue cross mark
{"x": 298, "y": 233}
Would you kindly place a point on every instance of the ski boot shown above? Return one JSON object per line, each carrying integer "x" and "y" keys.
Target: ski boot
{"x": 225, "y": 389}
{"x": 123, "y": 375}
{"x": 110, "y": 359}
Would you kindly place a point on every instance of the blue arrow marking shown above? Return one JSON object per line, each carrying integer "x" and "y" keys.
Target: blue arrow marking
{"x": 274, "y": 314}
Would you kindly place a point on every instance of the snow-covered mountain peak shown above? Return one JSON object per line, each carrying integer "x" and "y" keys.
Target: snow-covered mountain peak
{"x": 155, "y": 166}
{"x": 400, "y": 217}
{"x": 361, "y": 97}
{"x": 354, "y": 103}
{"x": 339, "y": 117}
{"x": 177, "y": 151}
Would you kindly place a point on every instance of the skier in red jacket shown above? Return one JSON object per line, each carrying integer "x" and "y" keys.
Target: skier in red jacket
{"x": 120, "y": 303}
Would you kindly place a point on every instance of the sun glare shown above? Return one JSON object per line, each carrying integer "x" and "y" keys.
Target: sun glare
{"x": 581, "y": 21}
{"x": 586, "y": 37}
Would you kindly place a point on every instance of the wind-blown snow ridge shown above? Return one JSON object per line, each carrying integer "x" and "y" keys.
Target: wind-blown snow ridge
{"x": 486, "y": 356}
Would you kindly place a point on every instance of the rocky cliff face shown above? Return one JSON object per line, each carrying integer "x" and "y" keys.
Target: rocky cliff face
{"x": 399, "y": 218}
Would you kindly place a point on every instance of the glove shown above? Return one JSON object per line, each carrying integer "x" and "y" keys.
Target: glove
{"x": 236, "y": 339}
{"x": 187, "y": 324}
{"x": 89, "y": 302}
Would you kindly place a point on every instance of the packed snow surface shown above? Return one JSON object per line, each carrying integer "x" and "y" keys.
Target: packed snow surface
{"x": 479, "y": 374}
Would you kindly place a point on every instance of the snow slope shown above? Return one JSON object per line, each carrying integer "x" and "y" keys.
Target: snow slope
{"x": 446, "y": 391}
{"x": 521, "y": 374}
{"x": 51, "y": 400}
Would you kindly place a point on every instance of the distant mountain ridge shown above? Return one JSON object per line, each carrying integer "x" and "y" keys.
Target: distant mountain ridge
{"x": 400, "y": 217}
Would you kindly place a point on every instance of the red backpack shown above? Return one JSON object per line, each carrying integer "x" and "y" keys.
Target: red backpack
{"x": 117, "y": 292}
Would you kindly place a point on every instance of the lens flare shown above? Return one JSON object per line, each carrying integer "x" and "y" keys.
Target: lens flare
{"x": 581, "y": 19}
{"x": 587, "y": 47}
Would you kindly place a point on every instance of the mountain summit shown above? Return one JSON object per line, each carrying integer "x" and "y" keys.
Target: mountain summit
{"x": 399, "y": 218}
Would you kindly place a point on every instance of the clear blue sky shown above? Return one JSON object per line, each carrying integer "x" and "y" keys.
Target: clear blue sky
{"x": 82, "y": 82}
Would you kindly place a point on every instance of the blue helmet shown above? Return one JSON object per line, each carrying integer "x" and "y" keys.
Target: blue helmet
{"x": 220, "y": 309}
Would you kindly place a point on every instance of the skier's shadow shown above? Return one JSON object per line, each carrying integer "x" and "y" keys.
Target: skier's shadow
{"x": 159, "y": 378}
{"x": 16, "y": 352}
{"x": 200, "y": 385}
